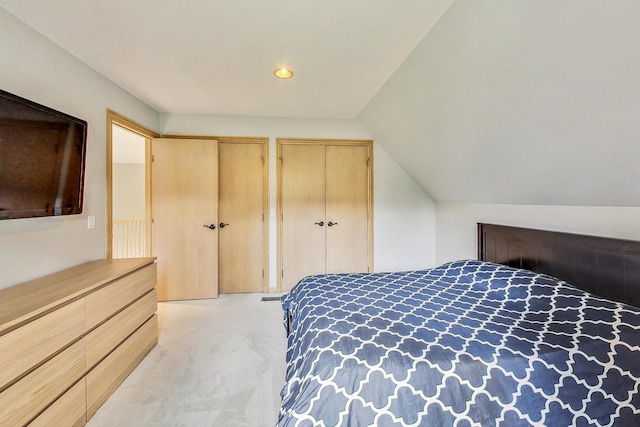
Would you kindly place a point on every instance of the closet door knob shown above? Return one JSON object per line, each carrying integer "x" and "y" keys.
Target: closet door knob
{"x": 223, "y": 225}
{"x": 211, "y": 226}
{"x": 321, "y": 223}
{"x": 331, "y": 224}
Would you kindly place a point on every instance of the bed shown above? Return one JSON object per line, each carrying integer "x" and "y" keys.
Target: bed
{"x": 494, "y": 341}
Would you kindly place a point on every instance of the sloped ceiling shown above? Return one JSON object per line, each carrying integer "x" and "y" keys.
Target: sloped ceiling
{"x": 217, "y": 56}
{"x": 520, "y": 102}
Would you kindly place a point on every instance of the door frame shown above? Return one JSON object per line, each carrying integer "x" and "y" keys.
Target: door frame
{"x": 114, "y": 118}
{"x": 295, "y": 141}
{"x": 265, "y": 206}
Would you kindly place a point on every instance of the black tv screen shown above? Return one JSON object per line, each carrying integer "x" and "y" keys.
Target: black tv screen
{"x": 42, "y": 160}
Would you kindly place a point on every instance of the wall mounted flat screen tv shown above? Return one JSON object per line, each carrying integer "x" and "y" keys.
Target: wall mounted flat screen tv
{"x": 42, "y": 160}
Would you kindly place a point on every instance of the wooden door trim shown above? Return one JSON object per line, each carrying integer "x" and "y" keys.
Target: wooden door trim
{"x": 265, "y": 210}
{"x": 279, "y": 273}
{"x": 318, "y": 141}
{"x": 114, "y": 118}
{"x": 240, "y": 139}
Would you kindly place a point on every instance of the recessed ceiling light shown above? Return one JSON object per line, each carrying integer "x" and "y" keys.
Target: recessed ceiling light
{"x": 283, "y": 73}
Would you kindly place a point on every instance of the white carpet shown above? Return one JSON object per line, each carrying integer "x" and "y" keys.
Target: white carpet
{"x": 218, "y": 363}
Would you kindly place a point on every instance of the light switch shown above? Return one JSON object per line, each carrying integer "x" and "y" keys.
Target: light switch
{"x": 91, "y": 222}
{"x": 272, "y": 213}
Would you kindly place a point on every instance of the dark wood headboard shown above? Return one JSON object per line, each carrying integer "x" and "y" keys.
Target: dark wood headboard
{"x": 603, "y": 266}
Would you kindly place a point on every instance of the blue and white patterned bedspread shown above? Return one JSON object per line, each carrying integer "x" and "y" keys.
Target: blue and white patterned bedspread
{"x": 468, "y": 343}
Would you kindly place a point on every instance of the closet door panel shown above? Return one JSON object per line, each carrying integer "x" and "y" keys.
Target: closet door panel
{"x": 303, "y": 205}
{"x": 347, "y": 205}
{"x": 241, "y": 217}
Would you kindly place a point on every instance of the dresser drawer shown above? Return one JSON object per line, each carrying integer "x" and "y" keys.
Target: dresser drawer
{"x": 106, "y": 301}
{"x": 102, "y": 311}
{"x": 107, "y": 336}
{"x": 31, "y": 344}
{"x": 112, "y": 371}
{"x": 68, "y": 411}
{"x": 31, "y": 394}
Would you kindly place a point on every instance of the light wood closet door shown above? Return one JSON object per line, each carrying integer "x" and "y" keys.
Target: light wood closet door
{"x": 303, "y": 212}
{"x": 185, "y": 199}
{"x": 325, "y": 200}
{"x": 347, "y": 209}
{"x": 241, "y": 209}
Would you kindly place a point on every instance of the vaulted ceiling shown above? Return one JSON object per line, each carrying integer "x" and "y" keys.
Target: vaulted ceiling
{"x": 520, "y": 102}
{"x": 493, "y": 101}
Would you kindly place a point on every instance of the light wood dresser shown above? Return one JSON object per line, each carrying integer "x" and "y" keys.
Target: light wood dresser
{"x": 68, "y": 340}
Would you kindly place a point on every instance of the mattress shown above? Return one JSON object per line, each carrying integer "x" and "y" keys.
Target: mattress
{"x": 468, "y": 343}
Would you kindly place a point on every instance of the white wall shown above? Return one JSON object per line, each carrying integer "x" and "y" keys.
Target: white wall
{"x": 404, "y": 218}
{"x": 128, "y": 190}
{"x": 404, "y": 228}
{"x": 456, "y": 235}
{"x": 35, "y": 68}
